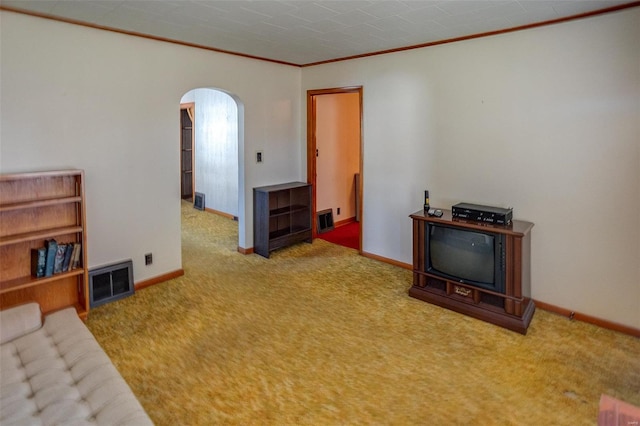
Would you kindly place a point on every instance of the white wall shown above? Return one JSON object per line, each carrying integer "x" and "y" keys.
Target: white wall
{"x": 545, "y": 120}
{"x": 216, "y": 148}
{"x": 108, "y": 103}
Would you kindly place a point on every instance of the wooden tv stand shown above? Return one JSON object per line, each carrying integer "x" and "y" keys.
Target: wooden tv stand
{"x": 513, "y": 309}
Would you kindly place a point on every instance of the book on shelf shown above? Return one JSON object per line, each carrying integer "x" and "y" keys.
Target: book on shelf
{"x": 77, "y": 255}
{"x": 59, "y": 258}
{"x": 38, "y": 262}
{"x": 51, "y": 247}
{"x": 68, "y": 252}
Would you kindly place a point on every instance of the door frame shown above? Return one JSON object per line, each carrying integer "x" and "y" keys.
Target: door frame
{"x": 312, "y": 146}
{"x": 186, "y": 106}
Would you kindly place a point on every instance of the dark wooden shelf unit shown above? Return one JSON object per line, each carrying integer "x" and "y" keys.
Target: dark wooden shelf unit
{"x": 281, "y": 216}
{"x": 512, "y": 309}
{"x": 187, "y": 158}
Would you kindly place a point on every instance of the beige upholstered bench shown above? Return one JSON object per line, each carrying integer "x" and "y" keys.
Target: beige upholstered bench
{"x": 57, "y": 373}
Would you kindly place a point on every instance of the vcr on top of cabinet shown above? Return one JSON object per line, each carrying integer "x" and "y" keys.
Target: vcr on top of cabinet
{"x": 480, "y": 213}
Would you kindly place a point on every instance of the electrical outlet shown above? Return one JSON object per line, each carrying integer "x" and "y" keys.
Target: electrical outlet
{"x": 338, "y": 211}
{"x": 258, "y": 156}
{"x": 148, "y": 259}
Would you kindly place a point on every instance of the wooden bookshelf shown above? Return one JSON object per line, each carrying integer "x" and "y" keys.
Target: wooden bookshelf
{"x": 35, "y": 207}
{"x": 282, "y": 216}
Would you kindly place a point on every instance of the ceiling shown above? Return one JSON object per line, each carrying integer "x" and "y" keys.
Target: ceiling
{"x": 303, "y": 32}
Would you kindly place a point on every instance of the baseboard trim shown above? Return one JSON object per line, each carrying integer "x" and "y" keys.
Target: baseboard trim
{"x": 159, "y": 279}
{"x": 344, "y": 222}
{"x": 387, "y": 260}
{"x": 219, "y": 213}
{"x": 572, "y": 315}
{"x": 245, "y": 250}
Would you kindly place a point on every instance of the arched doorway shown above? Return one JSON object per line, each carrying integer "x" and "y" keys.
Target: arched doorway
{"x": 218, "y": 140}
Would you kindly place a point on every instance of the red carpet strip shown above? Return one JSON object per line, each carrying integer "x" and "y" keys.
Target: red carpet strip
{"x": 346, "y": 235}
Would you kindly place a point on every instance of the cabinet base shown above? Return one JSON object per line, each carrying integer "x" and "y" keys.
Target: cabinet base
{"x": 287, "y": 240}
{"x": 502, "y": 319}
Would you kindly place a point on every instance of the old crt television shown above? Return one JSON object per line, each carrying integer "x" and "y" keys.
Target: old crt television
{"x": 473, "y": 257}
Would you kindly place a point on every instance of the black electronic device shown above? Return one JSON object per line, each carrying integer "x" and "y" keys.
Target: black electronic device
{"x": 488, "y": 214}
{"x": 467, "y": 256}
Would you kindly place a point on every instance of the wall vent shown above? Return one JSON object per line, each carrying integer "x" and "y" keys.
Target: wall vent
{"x": 325, "y": 221}
{"x": 111, "y": 282}
{"x": 198, "y": 201}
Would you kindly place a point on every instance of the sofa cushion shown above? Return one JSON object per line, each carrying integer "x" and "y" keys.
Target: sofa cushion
{"x": 60, "y": 374}
{"x": 19, "y": 320}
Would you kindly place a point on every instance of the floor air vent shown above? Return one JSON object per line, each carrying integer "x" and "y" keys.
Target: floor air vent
{"x": 110, "y": 283}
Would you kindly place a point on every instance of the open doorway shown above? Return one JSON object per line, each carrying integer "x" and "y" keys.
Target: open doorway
{"x": 334, "y": 162}
{"x": 187, "y": 113}
{"x": 216, "y": 152}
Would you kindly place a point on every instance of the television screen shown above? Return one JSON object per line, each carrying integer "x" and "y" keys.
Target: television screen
{"x": 463, "y": 254}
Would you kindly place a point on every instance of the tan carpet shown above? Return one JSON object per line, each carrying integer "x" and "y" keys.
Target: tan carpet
{"x": 319, "y": 335}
